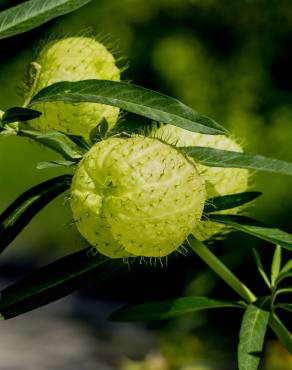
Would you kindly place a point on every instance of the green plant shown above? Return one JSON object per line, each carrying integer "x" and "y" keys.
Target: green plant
{"x": 84, "y": 267}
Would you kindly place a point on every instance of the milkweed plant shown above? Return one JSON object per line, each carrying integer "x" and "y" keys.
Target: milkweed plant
{"x": 140, "y": 191}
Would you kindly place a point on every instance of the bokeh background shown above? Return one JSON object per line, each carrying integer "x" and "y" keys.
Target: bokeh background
{"x": 229, "y": 60}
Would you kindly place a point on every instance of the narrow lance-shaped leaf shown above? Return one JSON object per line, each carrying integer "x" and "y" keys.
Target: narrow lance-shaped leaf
{"x": 230, "y": 201}
{"x": 56, "y": 141}
{"x": 287, "y": 266}
{"x": 16, "y": 114}
{"x": 256, "y": 228}
{"x": 284, "y": 306}
{"x": 282, "y": 291}
{"x": 131, "y": 98}
{"x": 55, "y": 281}
{"x": 168, "y": 309}
{"x": 33, "y": 13}
{"x": 252, "y": 333}
{"x": 228, "y": 159}
{"x": 284, "y": 275}
{"x": 260, "y": 267}
{"x": 281, "y": 331}
{"x": 53, "y": 164}
{"x": 23, "y": 209}
{"x": 276, "y": 264}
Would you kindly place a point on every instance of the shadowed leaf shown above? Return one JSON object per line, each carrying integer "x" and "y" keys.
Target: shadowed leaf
{"x": 230, "y": 201}
{"x": 24, "y": 208}
{"x": 16, "y": 114}
{"x": 55, "y": 281}
{"x": 256, "y": 228}
{"x": 168, "y": 309}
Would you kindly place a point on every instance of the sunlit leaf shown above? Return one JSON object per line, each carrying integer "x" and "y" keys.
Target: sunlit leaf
{"x": 23, "y": 209}
{"x": 228, "y": 159}
{"x": 55, "y": 281}
{"x": 256, "y": 228}
{"x": 276, "y": 264}
{"x": 252, "y": 333}
{"x": 169, "y": 309}
{"x": 131, "y": 98}
{"x": 33, "y": 13}
{"x": 287, "y": 266}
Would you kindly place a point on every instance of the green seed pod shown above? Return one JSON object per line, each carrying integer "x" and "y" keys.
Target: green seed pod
{"x": 218, "y": 181}
{"x": 72, "y": 59}
{"x": 136, "y": 197}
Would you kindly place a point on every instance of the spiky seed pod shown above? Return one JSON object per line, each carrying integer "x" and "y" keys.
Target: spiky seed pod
{"x": 72, "y": 59}
{"x": 136, "y": 197}
{"x": 218, "y": 181}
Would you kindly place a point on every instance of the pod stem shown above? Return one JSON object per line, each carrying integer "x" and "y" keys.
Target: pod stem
{"x": 216, "y": 265}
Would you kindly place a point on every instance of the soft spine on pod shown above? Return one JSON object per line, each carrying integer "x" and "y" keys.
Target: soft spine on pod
{"x": 72, "y": 59}
{"x": 218, "y": 181}
{"x": 136, "y": 197}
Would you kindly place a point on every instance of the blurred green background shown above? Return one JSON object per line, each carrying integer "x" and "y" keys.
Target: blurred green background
{"x": 230, "y": 60}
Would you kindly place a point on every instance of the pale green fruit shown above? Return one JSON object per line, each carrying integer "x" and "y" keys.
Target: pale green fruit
{"x": 136, "y": 196}
{"x": 73, "y": 59}
{"x": 218, "y": 181}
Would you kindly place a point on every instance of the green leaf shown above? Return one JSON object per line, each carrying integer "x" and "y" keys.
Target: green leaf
{"x": 284, "y": 275}
{"x": 284, "y": 306}
{"x": 230, "y": 201}
{"x": 16, "y": 114}
{"x": 23, "y": 209}
{"x": 228, "y": 159}
{"x": 56, "y": 141}
{"x": 256, "y": 228}
{"x": 281, "y": 331}
{"x": 260, "y": 267}
{"x": 79, "y": 141}
{"x": 287, "y": 266}
{"x": 276, "y": 264}
{"x": 282, "y": 291}
{"x": 33, "y": 13}
{"x": 55, "y": 281}
{"x": 99, "y": 132}
{"x": 131, "y": 98}
{"x": 53, "y": 164}
{"x": 168, "y": 309}
{"x": 252, "y": 333}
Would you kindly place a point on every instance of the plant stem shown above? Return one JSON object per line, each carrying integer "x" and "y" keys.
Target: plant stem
{"x": 216, "y": 265}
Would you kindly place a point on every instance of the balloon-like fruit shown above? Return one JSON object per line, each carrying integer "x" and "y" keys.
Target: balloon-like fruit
{"x": 136, "y": 196}
{"x": 218, "y": 181}
{"x": 72, "y": 59}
